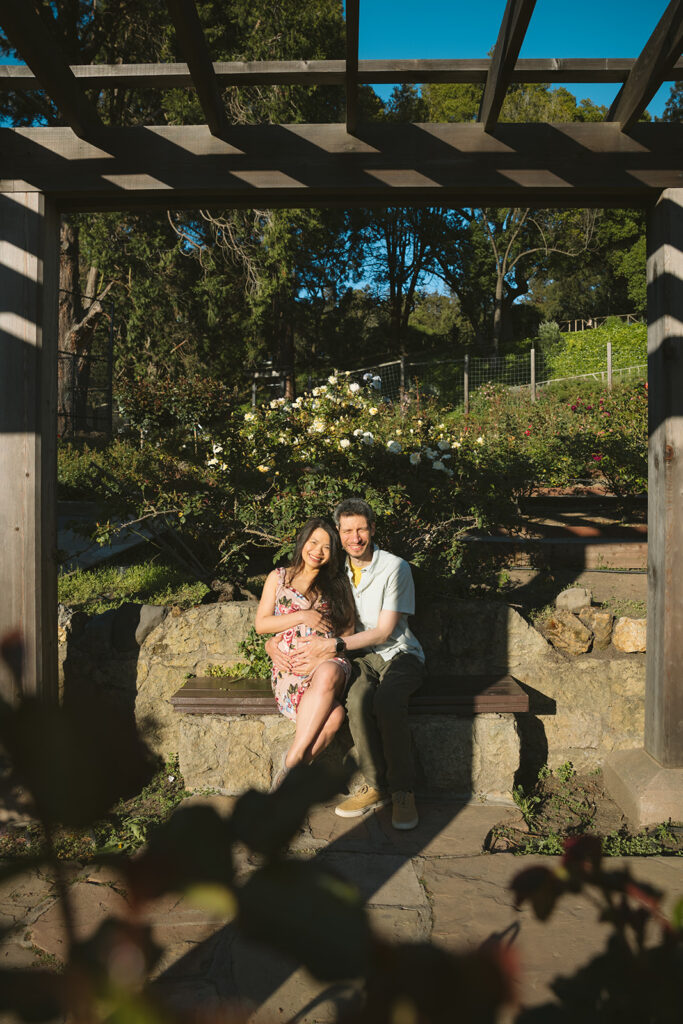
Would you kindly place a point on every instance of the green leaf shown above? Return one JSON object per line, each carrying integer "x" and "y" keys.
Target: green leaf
{"x": 193, "y": 847}
{"x": 267, "y": 821}
{"x": 302, "y": 909}
{"x": 75, "y": 761}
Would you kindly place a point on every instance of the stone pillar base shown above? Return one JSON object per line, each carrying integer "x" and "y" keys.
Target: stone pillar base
{"x": 646, "y": 792}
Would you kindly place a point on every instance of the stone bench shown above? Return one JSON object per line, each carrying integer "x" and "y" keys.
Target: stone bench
{"x": 464, "y": 733}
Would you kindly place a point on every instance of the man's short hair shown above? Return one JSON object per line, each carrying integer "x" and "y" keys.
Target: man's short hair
{"x": 353, "y": 507}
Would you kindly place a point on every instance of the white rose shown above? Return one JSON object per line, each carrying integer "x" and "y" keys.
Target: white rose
{"x": 263, "y": 469}
{"x": 249, "y": 416}
{"x": 398, "y": 432}
{"x": 212, "y": 462}
{"x": 344, "y": 443}
{"x": 376, "y": 383}
{"x": 456, "y": 444}
{"x": 394, "y": 447}
{"x": 368, "y": 438}
{"x": 373, "y": 411}
{"x": 217, "y": 448}
{"x": 443, "y": 446}
{"x": 358, "y": 432}
{"x": 480, "y": 440}
{"x": 332, "y": 379}
{"x": 353, "y": 388}
{"x": 415, "y": 458}
{"x": 438, "y": 464}
{"x": 430, "y": 453}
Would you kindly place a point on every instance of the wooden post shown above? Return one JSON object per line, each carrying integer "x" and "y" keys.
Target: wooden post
{"x": 466, "y": 382}
{"x": 664, "y": 688}
{"x": 532, "y": 378}
{"x": 609, "y": 365}
{"x": 29, "y": 268}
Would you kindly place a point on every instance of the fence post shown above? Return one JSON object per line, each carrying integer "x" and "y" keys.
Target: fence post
{"x": 402, "y": 381}
{"x": 466, "y": 382}
{"x": 110, "y": 370}
{"x": 609, "y": 365}
{"x": 532, "y": 383}
{"x": 253, "y": 392}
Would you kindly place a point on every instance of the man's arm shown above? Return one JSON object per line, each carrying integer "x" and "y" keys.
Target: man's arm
{"x": 311, "y": 651}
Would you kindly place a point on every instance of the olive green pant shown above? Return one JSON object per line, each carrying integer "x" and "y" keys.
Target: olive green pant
{"x": 377, "y": 706}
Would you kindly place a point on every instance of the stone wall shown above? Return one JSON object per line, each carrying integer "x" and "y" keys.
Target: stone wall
{"x": 581, "y": 708}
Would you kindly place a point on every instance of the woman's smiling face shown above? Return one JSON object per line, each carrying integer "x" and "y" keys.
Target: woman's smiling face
{"x": 317, "y": 549}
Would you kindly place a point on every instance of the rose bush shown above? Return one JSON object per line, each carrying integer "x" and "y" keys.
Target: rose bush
{"x": 213, "y": 497}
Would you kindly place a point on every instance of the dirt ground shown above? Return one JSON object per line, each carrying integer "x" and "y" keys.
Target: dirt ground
{"x": 624, "y": 592}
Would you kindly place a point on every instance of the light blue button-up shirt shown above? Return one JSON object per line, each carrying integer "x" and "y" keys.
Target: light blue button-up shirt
{"x": 386, "y": 584}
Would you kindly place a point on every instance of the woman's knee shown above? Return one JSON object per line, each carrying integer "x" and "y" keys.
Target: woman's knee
{"x": 327, "y": 677}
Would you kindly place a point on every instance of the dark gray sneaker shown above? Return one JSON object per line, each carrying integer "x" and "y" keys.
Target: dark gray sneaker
{"x": 404, "y": 812}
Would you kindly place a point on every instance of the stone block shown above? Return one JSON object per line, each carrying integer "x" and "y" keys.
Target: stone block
{"x": 646, "y": 792}
{"x": 600, "y": 625}
{"x": 466, "y": 757}
{"x": 151, "y": 616}
{"x": 630, "y": 635}
{"x": 567, "y": 633}
{"x": 573, "y": 599}
{"x": 182, "y": 645}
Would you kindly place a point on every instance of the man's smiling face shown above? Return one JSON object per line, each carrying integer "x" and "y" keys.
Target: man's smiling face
{"x": 356, "y": 536}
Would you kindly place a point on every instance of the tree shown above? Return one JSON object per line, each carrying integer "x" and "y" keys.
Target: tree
{"x": 88, "y": 33}
{"x": 486, "y": 259}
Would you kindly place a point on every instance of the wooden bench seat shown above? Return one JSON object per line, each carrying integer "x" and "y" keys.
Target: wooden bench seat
{"x": 440, "y": 694}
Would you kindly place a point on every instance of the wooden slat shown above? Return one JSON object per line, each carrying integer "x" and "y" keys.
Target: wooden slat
{"x": 27, "y": 33}
{"x": 29, "y": 281}
{"x": 352, "y": 32}
{"x": 664, "y": 691}
{"x": 510, "y": 38}
{"x": 651, "y": 68}
{"x": 553, "y": 70}
{"x": 304, "y": 165}
{"x": 448, "y": 695}
{"x": 193, "y": 44}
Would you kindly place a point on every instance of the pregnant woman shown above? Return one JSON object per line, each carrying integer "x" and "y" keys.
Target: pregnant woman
{"x": 312, "y": 595}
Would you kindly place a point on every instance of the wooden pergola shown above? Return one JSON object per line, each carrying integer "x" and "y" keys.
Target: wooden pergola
{"x": 90, "y": 166}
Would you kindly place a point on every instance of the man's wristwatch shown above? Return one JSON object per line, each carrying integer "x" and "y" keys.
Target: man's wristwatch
{"x": 340, "y": 645}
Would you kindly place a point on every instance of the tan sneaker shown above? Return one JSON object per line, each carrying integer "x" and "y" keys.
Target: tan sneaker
{"x": 366, "y": 799}
{"x": 404, "y": 812}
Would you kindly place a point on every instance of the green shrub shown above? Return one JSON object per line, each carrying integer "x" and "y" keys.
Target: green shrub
{"x": 583, "y": 352}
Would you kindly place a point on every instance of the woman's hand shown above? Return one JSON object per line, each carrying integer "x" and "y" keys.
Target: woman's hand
{"x": 314, "y": 620}
{"x": 282, "y": 662}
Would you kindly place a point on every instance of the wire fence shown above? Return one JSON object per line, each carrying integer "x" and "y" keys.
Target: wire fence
{"x": 455, "y": 380}
{"x": 85, "y": 393}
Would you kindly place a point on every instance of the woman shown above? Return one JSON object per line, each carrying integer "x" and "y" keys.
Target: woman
{"x": 312, "y": 595}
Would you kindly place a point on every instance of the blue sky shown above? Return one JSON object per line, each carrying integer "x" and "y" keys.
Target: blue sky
{"x": 453, "y": 28}
{"x": 448, "y": 28}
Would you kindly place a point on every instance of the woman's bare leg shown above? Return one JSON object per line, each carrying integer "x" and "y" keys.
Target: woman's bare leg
{"x": 314, "y": 709}
{"x": 331, "y": 727}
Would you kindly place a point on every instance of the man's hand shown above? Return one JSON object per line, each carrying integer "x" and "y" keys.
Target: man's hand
{"x": 281, "y": 662}
{"x": 311, "y": 651}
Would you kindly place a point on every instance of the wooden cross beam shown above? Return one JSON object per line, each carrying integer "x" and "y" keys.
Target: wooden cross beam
{"x": 577, "y": 164}
{"x": 352, "y": 33}
{"x": 661, "y": 51}
{"x": 510, "y": 38}
{"x": 41, "y": 51}
{"x": 553, "y": 70}
{"x": 193, "y": 44}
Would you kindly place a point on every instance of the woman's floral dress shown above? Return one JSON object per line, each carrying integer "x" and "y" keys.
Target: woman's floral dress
{"x": 287, "y": 687}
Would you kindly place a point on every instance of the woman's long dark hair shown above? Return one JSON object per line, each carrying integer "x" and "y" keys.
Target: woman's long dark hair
{"x": 331, "y": 584}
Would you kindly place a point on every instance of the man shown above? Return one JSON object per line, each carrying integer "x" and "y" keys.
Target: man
{"x": 389, "y": 667}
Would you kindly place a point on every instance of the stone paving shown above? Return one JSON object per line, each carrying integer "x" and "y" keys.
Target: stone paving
{"x": 433, "y": 883}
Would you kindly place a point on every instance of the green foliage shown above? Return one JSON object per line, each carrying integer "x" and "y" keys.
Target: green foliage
{"x": 583, "y": 352}
{"x": 149, "y": 582}
{"x": 527, "y": 803}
